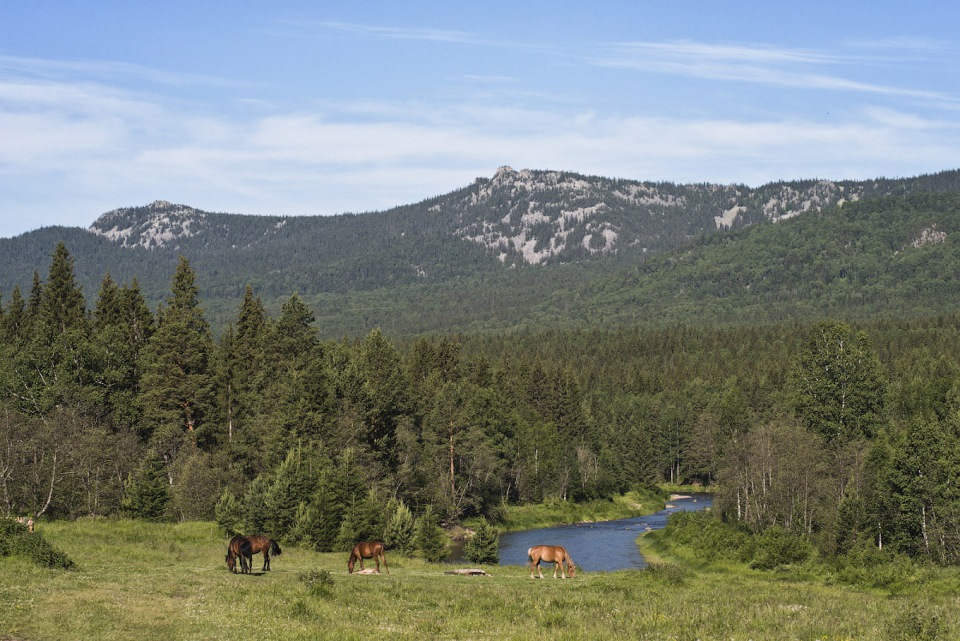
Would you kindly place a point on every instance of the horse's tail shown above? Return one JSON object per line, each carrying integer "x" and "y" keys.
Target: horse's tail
{"x": 274, "y": 548}
{"x": 529, "y": 554}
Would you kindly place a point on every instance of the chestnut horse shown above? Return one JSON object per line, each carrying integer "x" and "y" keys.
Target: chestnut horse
{"x": 551, "y": 554}
{"x": 260, "y": 543}
{"x": 367, "y": 550}
{"x": 239, "y": 546}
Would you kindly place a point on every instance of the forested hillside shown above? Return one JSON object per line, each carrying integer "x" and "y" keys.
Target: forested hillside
{"x": 530, "y": 248}
{"x": 844, "y": 433}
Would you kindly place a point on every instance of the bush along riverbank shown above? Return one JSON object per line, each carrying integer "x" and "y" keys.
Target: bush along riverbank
{"x": 637, "y": 502}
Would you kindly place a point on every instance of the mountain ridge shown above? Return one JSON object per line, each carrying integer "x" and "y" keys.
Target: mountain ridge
{"x": 513, "y": 237}
{"x": 538, "y": 216}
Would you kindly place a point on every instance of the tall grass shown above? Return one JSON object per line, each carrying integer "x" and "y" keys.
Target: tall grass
{"x": 156, "y": 581}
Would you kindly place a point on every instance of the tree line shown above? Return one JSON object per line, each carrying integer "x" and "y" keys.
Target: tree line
{"x": 844, "y": 435}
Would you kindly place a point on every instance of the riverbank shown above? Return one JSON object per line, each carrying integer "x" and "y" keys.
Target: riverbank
{"x": 557, "y": 512}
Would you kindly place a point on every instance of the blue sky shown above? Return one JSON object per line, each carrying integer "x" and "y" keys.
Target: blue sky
{"x": 291, "y": 108}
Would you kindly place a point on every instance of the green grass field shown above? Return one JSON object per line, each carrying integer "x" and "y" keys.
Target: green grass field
{"x": 557, "y": 512}
{"x": 164, "y": 581}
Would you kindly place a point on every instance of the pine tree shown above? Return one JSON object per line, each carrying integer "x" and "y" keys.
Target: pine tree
{"x": 177, "y": 383}
{"x": 289, "y": 488}
{"x": 483, "y": 546}
{"x": 54, "y": 363}
{"x": 327, "y": 512}
{"x": 428, "y": 538}
{"x": 146, "y": 493}
{"x": 116, "y": 351}
{"x": 62, "y": 307}
{"x": 254, "y": 512}
{"x": 34, "y": 301}
{"x": 15, "y": 321}
{"x": 398, "y": 534}
{"x": 385, "y": 392}
{"x": 227, "y": 513}
{"x": 138, "y": 321}
{"x": 242, "y": 363}
{"x": 108, "y": 311}
{"x": 290, "y": 399}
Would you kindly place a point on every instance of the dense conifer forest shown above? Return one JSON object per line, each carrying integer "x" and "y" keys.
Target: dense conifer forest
{"x": 843, "y": 432}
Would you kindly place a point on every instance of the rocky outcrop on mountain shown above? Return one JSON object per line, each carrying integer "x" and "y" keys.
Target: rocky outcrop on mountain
{"x": 524, "y": 217}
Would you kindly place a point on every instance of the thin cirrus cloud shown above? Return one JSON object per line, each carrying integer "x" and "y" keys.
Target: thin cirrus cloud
{"x": 760, "y": 65}
{"x": 108, "y": 71}
{"x": 449, "y": 36}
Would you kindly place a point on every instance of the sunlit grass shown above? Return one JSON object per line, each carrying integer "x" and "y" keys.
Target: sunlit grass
{"x": 556, "y": 512}
{"x": 150, "y": 581}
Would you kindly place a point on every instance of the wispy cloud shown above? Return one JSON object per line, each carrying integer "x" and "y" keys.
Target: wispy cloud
{"x": 814, "y": 69}
{"x": 410, "y": 33}
{"x": 106, "y": 70}
{"x": 758, "y": 65}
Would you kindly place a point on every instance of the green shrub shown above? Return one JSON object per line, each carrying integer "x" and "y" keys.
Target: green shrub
{"x": 916, "y": 623}
{"x": 667, "y": 573}
{"x": 15, "y": 539}
{"x": 867, "y": 566}
{"x": 709, "y": 537}
{"x": 319, "y": 582}
{"x": 776, "y": 547}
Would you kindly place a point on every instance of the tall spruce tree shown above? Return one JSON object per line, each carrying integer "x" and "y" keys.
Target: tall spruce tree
{"x": 62, "y": 307}
{"x": 108, "y": 310}
{"x": 53, "y": 362}
{"x": 138, "y": 322}
{"x": 177, "y": 383}
{"x": 243, "y": 360}
{"x": 14, "y": 321}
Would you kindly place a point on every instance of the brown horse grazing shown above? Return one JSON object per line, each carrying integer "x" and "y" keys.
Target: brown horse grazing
{"x": 239, "y": 546}
{"x": 260, "y": 543}
{"x": 551, "y": 554}
{"x": 367, "y": 550}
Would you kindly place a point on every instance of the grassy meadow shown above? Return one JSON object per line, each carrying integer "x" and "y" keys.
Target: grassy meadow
{"x": 137, "y": 580}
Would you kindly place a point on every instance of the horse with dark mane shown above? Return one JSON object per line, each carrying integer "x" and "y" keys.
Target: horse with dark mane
{"x": 239, "y": 547}
{"x": 551, "y": 554}
{"x": 260, "y": 543}
{"x": 367, "y": 550}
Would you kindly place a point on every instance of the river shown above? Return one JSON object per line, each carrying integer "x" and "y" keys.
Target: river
{"x": 597, "y": 547}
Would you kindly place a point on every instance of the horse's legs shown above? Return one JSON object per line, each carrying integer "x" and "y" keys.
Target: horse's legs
{"x": 535, "y": 566}
{"x": 266, "y": 560}
{"x": 382, "y": 554}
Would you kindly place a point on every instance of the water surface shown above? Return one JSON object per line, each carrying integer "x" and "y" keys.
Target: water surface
{"x": 597, "y": 547}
